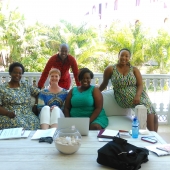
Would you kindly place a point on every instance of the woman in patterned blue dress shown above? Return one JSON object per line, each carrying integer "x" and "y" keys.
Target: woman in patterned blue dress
{"x": 15, "y": 101}
{"x": 86, "y": 101}
{"x": 128, "y": 87}
{"x": 51, "y": 100}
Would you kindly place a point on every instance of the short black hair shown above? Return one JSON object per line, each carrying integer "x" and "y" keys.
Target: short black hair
{"x": 16, "y": 64}
{"x": 64, "y": 45}
{"x": 126, "y": 49}
{"x": 82, "y": 71}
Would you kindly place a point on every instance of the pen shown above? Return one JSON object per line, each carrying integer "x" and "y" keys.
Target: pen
{"x": 1, "y": 131}
{"x": 23, "y": 130}
{"x": 163, "y": 149}
{"x": 15, "y": 113}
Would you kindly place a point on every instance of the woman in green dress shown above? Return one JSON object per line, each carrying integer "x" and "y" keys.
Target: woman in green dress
{"x": 128, "y": 87}
{"x": 15, "y": 101}
{"x": 86, "y": 101}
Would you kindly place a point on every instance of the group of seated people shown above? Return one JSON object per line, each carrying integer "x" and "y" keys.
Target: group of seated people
{"x": 83, "y": 100}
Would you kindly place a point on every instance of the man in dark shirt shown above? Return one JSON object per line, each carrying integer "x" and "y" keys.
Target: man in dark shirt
{"x": 62, "y": 61}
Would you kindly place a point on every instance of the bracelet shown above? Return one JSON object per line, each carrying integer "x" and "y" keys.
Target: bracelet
{"x": 35, "y": 104}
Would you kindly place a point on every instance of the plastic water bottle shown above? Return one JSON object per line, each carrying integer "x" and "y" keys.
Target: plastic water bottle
{"x": 135, "y": 127}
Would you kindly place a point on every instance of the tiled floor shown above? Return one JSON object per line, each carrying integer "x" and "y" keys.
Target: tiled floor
{"x": 164, "y": 132}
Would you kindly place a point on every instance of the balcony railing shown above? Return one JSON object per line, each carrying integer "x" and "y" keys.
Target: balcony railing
{"x": 157, "y": 87}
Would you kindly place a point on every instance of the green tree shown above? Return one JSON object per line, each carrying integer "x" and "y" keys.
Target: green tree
{"x": 159, "y": 50}
{"x": 131, "y": 37}
{"x": 12, "y": 27}
{"x": 55, "y": 36}
{"x": 21, "y": 43}
{"x": 82, "y": 42}
{"x": 35, "y": 53}
{"x": 34, "y": 45}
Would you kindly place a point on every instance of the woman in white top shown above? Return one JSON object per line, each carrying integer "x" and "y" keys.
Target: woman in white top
{"x": 51, "y": 100}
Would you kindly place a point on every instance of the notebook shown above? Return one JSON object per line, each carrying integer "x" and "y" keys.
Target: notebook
{"x": 13, "y": 133}
{"x": 80, "y": 123}
{"x": 158, "y": 149}
{"x": 107, "y": 133}
{"x": 44, "y": 133}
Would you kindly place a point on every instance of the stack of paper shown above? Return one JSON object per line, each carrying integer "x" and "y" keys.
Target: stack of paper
{"x": 107, "y": 134}
{"x": 165, "y": 147}
{"x": 14, "y": 133}
{"x": 159, "y": 150}
{"x": 124, "y": 134}
{"x": 44, "y": 133}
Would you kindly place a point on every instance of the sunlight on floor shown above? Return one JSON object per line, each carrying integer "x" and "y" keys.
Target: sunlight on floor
{"x": 164, "y": 132}
{"x": 164, "y": 128}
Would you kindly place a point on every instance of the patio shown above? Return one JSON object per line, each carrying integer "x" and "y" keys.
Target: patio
{"x": 164, "y": 132}
{"x": 157, "y": 87}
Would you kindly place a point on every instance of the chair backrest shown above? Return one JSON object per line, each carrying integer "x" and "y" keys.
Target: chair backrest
{"x": 110, "y": 105}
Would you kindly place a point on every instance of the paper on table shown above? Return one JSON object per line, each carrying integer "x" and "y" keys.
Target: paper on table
{"x": 104, "y": 140}
{"x": 124, "y": 134}
{"x": 141, "y": 132}
{"x": 26, "y": 134}
{"x": 164, "y": 147}
{"x": 44, "y": 133}
{"x": 158, "y": 152}
{"x": 109, "y": 132}
{"x": 11, "y": 133}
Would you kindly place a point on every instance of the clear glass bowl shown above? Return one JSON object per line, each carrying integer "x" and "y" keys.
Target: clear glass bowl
{"x": 67, "y": 140}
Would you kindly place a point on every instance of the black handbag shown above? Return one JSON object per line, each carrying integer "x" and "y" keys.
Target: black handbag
{"x": 121, "y": 155}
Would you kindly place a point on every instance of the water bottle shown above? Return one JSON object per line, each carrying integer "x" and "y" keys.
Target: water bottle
{"x": 135, "y": 127}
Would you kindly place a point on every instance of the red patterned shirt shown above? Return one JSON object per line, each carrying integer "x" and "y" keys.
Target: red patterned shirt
{"x": 64, "y": 66}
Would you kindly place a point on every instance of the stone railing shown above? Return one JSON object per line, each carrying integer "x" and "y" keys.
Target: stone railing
{"x": 157, "y": 87}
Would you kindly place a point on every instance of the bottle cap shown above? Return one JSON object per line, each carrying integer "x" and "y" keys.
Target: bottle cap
{"x": 135, "y": 118}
